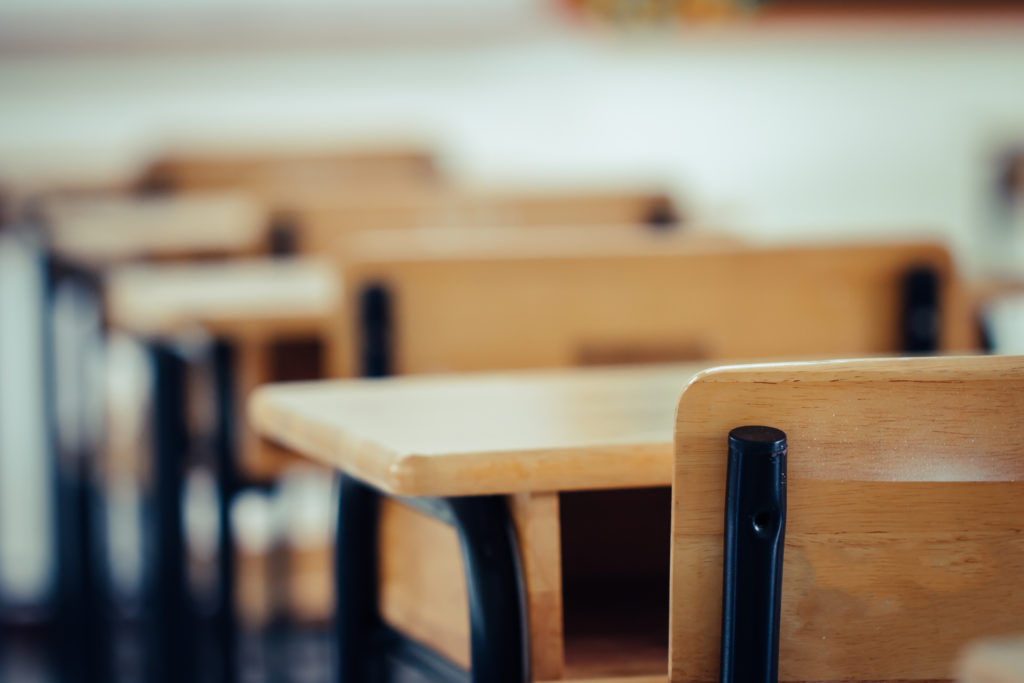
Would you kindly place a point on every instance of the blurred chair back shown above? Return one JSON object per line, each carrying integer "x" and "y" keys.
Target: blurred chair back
{"x": 455, "y": 301}
{"x": 321, "y": 223}
{"x": 274, "y": 173}
{"x": 902, "y": 528}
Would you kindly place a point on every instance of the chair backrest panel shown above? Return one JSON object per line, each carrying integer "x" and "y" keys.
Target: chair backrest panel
{"x": 326, "y": 219}
{"x": 293, "y": 170}
{"x": 903, "y": 533}
{"x": 674, "y": 302}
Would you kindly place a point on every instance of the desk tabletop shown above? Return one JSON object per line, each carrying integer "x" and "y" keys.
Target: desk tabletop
{"x": 230, "y": 298}
{"x": 485, "y": 433}
{"x": 99, "y": 231}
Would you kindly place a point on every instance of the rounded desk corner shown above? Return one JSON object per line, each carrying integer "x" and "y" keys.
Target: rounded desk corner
{"x": 404, "y": 475}
{"x": 258, "y": 407}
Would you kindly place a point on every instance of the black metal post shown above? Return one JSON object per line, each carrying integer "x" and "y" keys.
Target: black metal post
{"x": 921, "y": 310}
{"x": 355, "y": 582}
{"x": 376, "y": 322}
{"x": 497, "y": 618}
{"x": 84, "y": 639}
{"x": 227, "y": 483}
{"x": 283, "y": 237}
{"x": 755, "y": 525}
{"x": 172, "y": 650}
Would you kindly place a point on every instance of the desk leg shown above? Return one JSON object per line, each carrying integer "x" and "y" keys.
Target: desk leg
{"x": 227, "y": 482}
{"x": 71, "y": 327}
{"x": 369, "y": 651}
{"x": 172, "y": 647}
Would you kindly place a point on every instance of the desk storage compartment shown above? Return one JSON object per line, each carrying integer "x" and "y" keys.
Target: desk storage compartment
{"x": 596, "y": 569}
{"x": 615, "y": 582}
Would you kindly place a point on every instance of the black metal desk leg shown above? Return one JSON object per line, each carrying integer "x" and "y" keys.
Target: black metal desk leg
{"x": 71, "y": 327}
{"x": 172, "y": 649}
{"x": 355, "y": 581}
{"x": 227, "y": 483}
{"x": 755, "y": 525}
{"x": 490, "y": 557}
{"x": 369, "y": 651}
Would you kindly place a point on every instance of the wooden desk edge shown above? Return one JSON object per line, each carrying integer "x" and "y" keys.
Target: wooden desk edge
{"x": 612, "y": 466}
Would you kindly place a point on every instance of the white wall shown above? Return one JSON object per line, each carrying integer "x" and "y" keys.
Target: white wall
{"x": 776, "y": 132}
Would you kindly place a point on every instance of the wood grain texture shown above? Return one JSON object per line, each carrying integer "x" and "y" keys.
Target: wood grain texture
{"x": 275, "y": 173}
{"x": 540, "y": 549}
{"x": 103, "y": 230}
{"x": 328, "y": 221}
{"x": 903, "y": 537}
{"x": 541, "y": 305}
{"x": 261, "y": 298}
{"x": 422, "y": 581}
{"x": 486, "y": 433}
{"x": 994, "y": 660}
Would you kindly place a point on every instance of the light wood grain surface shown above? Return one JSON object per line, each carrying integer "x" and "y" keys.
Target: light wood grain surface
{"x": 994, "y": 660}
{"x": 326, "y": 220}
{"x": 538, "y": 304}
{"x": 253, "y": 296}
{"x": 422, "y": 582}
{"x": 100, "y": 230}
{"x": 277, "y": 172}
{"x": 903, "y": 533}
{"x": 487, "y": 433}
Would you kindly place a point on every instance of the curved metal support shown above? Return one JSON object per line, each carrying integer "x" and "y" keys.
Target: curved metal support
{"x": 494, "y": 581}
{"x": 355, "y": 581}
{"x": 369, "y": 651}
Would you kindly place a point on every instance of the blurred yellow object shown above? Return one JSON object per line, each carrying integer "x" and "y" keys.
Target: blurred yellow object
{"x": 660, "y": 11}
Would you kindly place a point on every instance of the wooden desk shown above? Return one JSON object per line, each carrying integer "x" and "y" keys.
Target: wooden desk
{"x": 522, "y": 447}
{"x": 248, "y": 305}
{"x": 236, "y": 310}
{"x": 100, "y": 231}
{"x": 238, "y": 299}
{"x": 484, "y": 433}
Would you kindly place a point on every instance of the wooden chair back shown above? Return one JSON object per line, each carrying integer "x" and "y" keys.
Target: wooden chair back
{"x": 502, "y": 302}
{"x": 322, "y": 223}
{"x": 902, "y": 535}
{"x": 275, "y": 173}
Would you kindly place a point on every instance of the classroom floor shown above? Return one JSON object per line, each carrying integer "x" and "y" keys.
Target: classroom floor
{"x": 296, "y": 655}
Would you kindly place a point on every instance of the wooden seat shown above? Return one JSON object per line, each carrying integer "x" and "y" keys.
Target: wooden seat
{"x": 477, "y": 302}
{"x": 902, "y": 535}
